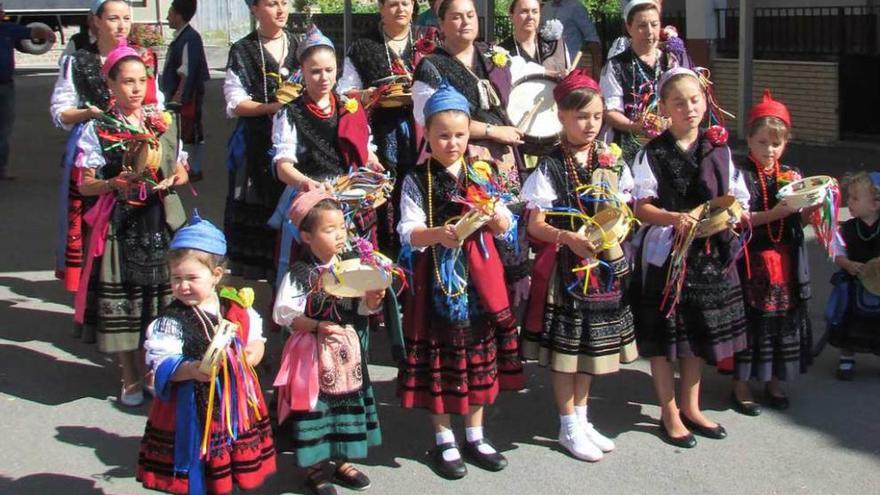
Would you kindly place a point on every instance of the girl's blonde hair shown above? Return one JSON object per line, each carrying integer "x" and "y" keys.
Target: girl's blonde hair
{"x": 212, "y": 261}
{"x": 861, "y": 179}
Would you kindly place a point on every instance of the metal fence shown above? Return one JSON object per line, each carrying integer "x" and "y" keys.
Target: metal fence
{"x": 803, "y": 32}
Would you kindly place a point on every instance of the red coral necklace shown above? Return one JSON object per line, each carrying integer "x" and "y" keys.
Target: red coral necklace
{"x": 762, "y": 176}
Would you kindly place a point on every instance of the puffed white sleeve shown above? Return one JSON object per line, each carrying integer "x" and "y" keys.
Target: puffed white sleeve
{"x": 234, "y": 92}
{"x": 412, "y": 216}
{"x": 644, "y": 182}
{"x": 255, "y": 326}
{"x": 91, "y": 155}
{"x": 625, "y": 184}
{"x": 421, "y": 91}
{"x": 64, "y": 95}
{"x": 503, "y": 211}
{"x": 612, "y": 91}
{"x": 538, "y": 191}
{"x": 350, "y": 78}
{"x": 163, "y": 339}
{"x": 738, "y": 183}
{"x": 290, "y": 302}
{"x": 284, "y": 137}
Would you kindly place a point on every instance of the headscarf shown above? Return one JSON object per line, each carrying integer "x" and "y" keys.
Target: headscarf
{"x": 121, "y": 51}
{"x": 201, "y": 235}
{"x": 575, "y": 80}
{"x": 635, "y": 3}
{"x": 768, "y": 107}
{"x": 675, "y": 71}
{"x": 446, "y": 98}
{"x": 303, "y": 204}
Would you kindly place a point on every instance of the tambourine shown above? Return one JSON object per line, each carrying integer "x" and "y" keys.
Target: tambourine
{"x": 870, "y": 276}
{"x": 606, "y": 230}
{"x": 288, "y": 92}
{"x": 363, "y": 186}
{"x": 354, "y": 278}
{"x": 395, "y": 96}
{"x": 141, "y": 156}
{"x": 469, "y": 223}
{"x": 806, "y": 192}
{"x": 717, "y": 215}
{"x": 216, "y": 353}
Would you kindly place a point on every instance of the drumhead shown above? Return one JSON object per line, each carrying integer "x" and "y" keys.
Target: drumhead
{"x": 544, "y": 123}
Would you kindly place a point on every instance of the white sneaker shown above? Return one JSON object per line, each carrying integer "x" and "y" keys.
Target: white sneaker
{"x": 131, "y": 399}
{"x": 599, "y": 440}
{"x": 576, "y": 442}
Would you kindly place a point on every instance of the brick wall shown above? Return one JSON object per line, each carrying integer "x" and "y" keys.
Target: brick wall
{"x": 809, "y": 89}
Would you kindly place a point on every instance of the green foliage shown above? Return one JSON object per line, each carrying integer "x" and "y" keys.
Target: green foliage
{"x": 595, "y": 7}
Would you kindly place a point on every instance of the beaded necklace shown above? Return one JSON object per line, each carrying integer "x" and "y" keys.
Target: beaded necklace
{"x": 869, "y": 237}
{"x": 569, "y": 155}
{"x": 446, "y": 293}
{"x": 282, "y": 70}
{"x": 319, "y": 112}
{"x": 386, "y": 42}
{"x": 762, "y": 176}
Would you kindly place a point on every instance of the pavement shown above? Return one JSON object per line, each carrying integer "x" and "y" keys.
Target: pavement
{"x": 64, "y": 433}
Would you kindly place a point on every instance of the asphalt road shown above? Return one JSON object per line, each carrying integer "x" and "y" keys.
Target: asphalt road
{"x": 63, "y": 432}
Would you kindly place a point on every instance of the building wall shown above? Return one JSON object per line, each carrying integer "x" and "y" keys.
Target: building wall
{"x": 809, "y": 89}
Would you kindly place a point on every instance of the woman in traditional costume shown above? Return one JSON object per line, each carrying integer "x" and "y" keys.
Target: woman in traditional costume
{"x": 122, "y": 161}
{"x": 629, "y": 79}
{"x": 258, "y": 65}
{"x": 531, "y": 42}
{"x": 460, "y": 334}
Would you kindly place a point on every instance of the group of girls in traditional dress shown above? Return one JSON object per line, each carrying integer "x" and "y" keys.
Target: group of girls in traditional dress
{"x": 477, "y": 304}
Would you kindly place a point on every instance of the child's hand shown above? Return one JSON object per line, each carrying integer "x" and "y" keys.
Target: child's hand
{"x": 579, "y": 244}
{"x": 166, "y": 183}
{"x": 195, "y": 373}
{"x": 497, "y": 223}
{"x": 854, "y": 268}
{"x": 685, "y": 222}
{"x": 447, "y": 237}
{"x": 373, "y": 298}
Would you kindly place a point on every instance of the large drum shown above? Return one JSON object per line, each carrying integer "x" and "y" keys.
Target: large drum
{"x": 532, "y": 109}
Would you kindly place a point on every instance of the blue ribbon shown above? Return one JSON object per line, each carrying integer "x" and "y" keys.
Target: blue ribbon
{"x": 186, "y": 426}
{"x": 235, "y": 148}
{"x": 289, "y": 232}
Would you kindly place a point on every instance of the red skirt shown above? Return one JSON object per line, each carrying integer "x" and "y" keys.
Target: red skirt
{"x": 450, "y": 367}
{"x": 245, "y": 462}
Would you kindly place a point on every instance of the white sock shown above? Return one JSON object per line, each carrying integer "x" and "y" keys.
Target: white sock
{"x": 568, "y": 421}
{"x": 581, "y": 412}
{"x": 475, "y": 433}
{"x": 446, "y": 436}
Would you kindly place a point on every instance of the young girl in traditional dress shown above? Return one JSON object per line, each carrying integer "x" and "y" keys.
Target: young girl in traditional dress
{"x": 677, "y": 171}
{"x": 579, "y": 333}
{"x": 856, "y": 328}
{"x": 124, "y": 283}
{"x": 461, "y": 341}
{"x": 207, "y": 431}
{"x": 776, "y": 275}
{"x": 339, "y": 425}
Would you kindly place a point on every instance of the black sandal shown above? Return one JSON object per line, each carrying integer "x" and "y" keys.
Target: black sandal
{"x": 351, "y": 477}
{"x": 318, "y": 482}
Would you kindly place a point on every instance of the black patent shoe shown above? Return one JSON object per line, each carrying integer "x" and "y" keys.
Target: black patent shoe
{"x": 350, "y": 477}
{"x": 319, "y": 483}
{"x": 489, "y": 462}
{"x": 451, "y": 470}
{"x": 688, "y": 441}
{"x": 749, "y": 408}
{"x": 717, "y": 432}
{"x": 779, "y": 402}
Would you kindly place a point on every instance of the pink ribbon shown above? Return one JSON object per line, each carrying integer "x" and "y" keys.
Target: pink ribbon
{"x": 297, "y": 378}
{"x": 98, "y": 217}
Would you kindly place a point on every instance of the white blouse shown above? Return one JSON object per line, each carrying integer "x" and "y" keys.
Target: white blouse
{"x": 92, "y": 156}
{"x": 290, "y": 302}
{"x": 538, "y": 191}
{"x": 164, "y": 336}
{"x": 65, "y": 97}
{"x": 646, "y": 183}
{"x": 612, "y": 91}
{"x": 412, "y": 213}
{"x": 234, "y": 93}
{"x": 350, "y": 78}
{"x": 285, "y": 141}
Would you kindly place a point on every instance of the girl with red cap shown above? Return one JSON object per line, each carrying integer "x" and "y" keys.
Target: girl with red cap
{"x": 776, "y": 277}
{"x": 580, "y": 328}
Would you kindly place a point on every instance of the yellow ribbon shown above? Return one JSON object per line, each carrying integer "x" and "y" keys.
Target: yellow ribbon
{"x": 586, "y": 269}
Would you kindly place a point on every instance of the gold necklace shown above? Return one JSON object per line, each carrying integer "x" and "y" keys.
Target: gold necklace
{"x": 446, "y": 293}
